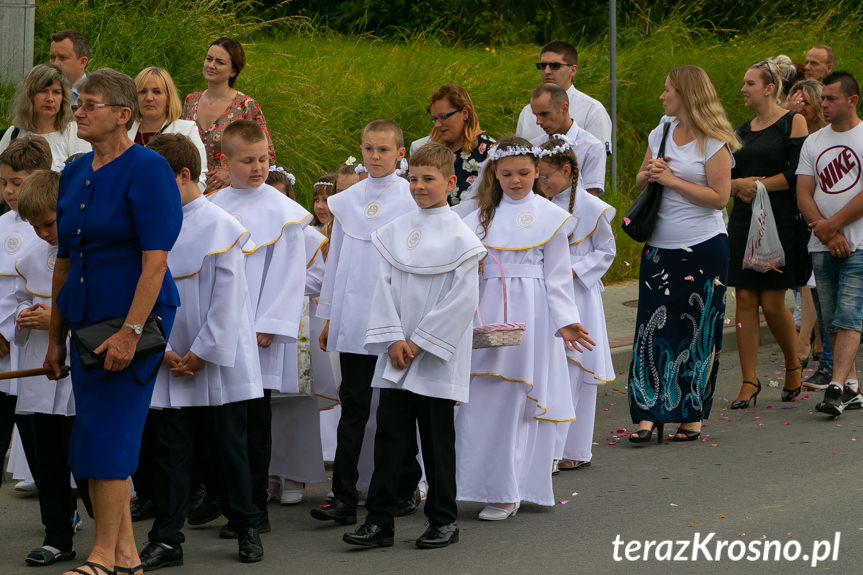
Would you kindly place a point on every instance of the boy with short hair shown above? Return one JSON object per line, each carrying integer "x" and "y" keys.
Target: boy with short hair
{"x": 345, "y": 301}
{"x": 210, "y": 371}
{"x": 421, "y": 317}
{"x": 23, "y": 156}
{"x": 45, "y": 410}
{"x": 276, "y": 276}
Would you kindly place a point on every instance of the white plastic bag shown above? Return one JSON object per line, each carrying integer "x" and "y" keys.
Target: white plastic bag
{"x": 763, "y": 249}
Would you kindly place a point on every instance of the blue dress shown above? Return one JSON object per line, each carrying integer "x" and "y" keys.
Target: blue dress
{"x": 105, "y": 219}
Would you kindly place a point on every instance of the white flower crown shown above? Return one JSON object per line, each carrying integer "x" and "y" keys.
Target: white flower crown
{"x": 321, "y": 183}
{"x": 498, "y": 153}
{"x": 563, "y": 146}
{"x": 350, "y": 161}
{"x": 285, "y": 173}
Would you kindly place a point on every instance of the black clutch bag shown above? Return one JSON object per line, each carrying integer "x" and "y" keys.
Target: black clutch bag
{"x": 89, "y": 338}
{"x": 640, "y": 218}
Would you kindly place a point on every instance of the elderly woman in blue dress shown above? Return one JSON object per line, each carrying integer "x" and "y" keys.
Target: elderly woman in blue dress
{"x": 118, "y": 215}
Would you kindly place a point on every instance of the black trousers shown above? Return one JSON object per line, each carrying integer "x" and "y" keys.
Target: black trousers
{"x": 399, "y": 413}
{"x": 174, "y": 441}
{"x": 355, "y": 395}
{"x": 46, "y": 445}
{"x": 260, "y": 447}
{"x": 7, "y": 422}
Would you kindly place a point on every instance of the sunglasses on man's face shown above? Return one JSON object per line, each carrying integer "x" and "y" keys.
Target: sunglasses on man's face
{"x": 555, "y": 66}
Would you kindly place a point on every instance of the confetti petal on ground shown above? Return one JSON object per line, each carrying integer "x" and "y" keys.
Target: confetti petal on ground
{"x": 722, "y": 516}
{"x": 787, "y": 423}
{"x": 689, "y": 278}
{"x": 563, "y": 501}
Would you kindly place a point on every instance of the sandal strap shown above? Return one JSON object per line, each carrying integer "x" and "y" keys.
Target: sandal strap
{"x": 129, "y": 570}
{"x": 92, "y": 566}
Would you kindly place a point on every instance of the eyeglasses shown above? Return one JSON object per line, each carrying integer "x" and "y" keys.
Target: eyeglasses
{"x": 544, "y": 179}
{"x": 555, "y": 66}
{"x": 769, "y": 71}
{"x": 441, "y": 117}
{"x": 90, "y": 107}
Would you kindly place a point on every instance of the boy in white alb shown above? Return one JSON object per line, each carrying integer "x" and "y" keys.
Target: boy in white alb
{"x": 345, "y": 301}
{"x": 420, "y": 322}
{"x": 210, "y": 370}
{"x": 46, "y": 409}
{"x": 24, "y": 156}
{"x": 276, "y": 275}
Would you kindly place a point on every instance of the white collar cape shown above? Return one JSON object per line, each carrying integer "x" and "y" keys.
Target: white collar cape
{"x": 371, "y": 203}
{"x": 16, "y": 238}
{"x": 207, "y": 230}
{"x": 37, "y": 270}
{"x": 264, "y": 211}
{"x": 522, "y": 224}
{"x": 427, "y": 242}
{"x": 587, "y": 211}
{"x": 315, "y": 240}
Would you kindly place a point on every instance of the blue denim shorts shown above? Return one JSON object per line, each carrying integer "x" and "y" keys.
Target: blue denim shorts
{"x": 840, "y": 289}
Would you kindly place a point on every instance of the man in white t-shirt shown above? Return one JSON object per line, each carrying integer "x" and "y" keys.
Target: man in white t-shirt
{"x": 551, "y": 108}
{"x": 829, "y": 182}
{"x": 558, "y": 64}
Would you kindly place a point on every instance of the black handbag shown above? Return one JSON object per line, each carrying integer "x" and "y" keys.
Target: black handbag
{"x": 89, "y": 338}
{"x": 640, "y": 218}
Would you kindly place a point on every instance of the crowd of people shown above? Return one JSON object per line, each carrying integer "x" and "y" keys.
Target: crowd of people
{"x": 226, "y": 341}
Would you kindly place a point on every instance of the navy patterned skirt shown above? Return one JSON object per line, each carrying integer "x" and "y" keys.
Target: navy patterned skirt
{"x": 678, "y": 334}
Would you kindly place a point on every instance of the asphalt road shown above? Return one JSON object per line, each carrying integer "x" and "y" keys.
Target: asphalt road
{"x": 777, "y": 476}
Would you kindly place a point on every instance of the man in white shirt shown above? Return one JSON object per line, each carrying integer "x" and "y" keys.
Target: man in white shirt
{"x": 558, "y": 64}
{"x": 830, "y": 197}
{"x": 550, "y": 106}
{"x": 819, "y": 62}
{"x": 70, "y": 51}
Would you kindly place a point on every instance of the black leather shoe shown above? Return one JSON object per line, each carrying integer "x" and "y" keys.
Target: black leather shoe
{"x": 370, "y": 535}
{"x": 251, "y": 550}
{"x": 155, "y": 556}
{"x": 209, "y": 509}
{"x": 408, "y": 505}
{"x": 262, "y": 526}
{"x": 336, "y": 511}
{"x": 142, "y": 509}
{"x": 437, "y": 536}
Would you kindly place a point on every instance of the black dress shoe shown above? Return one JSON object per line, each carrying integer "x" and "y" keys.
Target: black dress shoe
{"x": 336, "y": 511}
{"x": 209, "y": 509}
{"x": 251, "y": 550}
{"x": 261, "y": 526}
{"x": 408, "y": 505}
{"x": 370, "y": 535}
{"x": 437, "y": 536}
{"x": 142, "y": 509}
{"x": 155, "y": 556}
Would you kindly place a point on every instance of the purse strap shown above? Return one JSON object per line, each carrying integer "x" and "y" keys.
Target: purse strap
{"x": 665, "y": 130}
{"x": 503, "y": 285}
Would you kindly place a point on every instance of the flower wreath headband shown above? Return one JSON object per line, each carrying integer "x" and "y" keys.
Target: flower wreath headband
{"x": 284, "y": 172}
{"x": 562, "y": 147}
{"x": 358, "y": 168}
{"x": 499, "y": 153}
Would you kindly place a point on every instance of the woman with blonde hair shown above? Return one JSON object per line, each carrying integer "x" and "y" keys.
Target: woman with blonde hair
{"x": 159, "y": 111}
{"x": 42, "y": 107}
{"x": 771, "y": 149}
{"x": 684, "y": 263}
{"x": 456, "y": 125}
{"x": 806, "y": 99}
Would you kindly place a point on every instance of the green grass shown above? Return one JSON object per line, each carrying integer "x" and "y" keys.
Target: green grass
{"x": 318, "y": 89}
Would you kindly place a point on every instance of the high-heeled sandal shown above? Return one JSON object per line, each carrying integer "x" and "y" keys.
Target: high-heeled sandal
{"x": 790, "y": 394}
{"x": 686, "y": 434}
{"x": 744, "y": 403}
{"x": 643, "y": 435}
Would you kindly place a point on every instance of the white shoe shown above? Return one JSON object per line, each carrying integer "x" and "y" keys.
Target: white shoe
{"x": 274, "y": 489}
{"x": 292, "y": 492}
{"x": 26, "y": 486}
{"x": 492, "y": 513}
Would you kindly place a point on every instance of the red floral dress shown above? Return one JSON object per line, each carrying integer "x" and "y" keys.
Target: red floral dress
{"x": 241, "y": 108}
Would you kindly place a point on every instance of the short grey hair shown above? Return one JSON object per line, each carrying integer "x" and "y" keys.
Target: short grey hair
{"x": 114, "y": 87}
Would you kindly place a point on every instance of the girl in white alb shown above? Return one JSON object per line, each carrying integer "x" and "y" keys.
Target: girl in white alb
{"x": 505, "y": 436}
{"x": 592, "y": 250}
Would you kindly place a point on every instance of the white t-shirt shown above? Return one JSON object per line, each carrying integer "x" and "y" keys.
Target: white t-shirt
{"x": 833, "y": 159}
{"x": 589, "y": 152}
{"x": 63, "y": 144}
{"x": 587, "y": 112}
{"x": 680, "y": 222}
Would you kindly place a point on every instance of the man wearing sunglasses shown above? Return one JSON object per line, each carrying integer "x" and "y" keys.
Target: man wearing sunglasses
{"x": 558, "y": 64}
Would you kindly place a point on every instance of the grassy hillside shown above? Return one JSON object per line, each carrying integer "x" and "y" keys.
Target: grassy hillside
{"x": 318, "y": 89}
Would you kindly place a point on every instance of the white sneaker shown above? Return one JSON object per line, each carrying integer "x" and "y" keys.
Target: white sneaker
{"x": 26, "y": 487}
{"x": 492, "y": 513}
{"x": 292, "y": 492}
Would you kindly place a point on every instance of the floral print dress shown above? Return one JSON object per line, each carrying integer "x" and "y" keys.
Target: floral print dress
{"x": 467, "y": 166}
{"x": 242, "y": 107}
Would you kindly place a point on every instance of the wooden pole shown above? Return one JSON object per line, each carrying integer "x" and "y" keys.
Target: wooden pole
{"x": 28, "y": 372}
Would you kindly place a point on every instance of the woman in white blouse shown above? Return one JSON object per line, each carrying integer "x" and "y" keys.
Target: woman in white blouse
{"x": 684, "y": 263}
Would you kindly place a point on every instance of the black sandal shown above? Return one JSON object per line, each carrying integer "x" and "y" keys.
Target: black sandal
{"x": 686, "y": 434}
{"x": 92, "y": 566}
{"x": 130, "y": 570}
{"x": 790, "y": 394}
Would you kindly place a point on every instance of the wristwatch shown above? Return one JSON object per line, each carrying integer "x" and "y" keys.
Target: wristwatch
{"x": 138, "y": 329}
